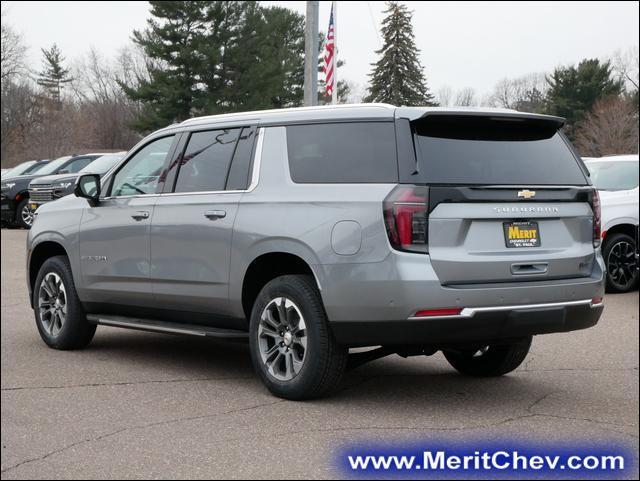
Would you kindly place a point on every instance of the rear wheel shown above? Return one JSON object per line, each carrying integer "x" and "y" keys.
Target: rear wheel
{"x": 489, "y": 361}
{"x": 619, "y": 253}
{"x": 292, "y": 347}
{"x": 25, "y": 214}
{"x": 59, "y": 315}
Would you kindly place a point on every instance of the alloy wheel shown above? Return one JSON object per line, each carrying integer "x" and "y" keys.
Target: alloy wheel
{"x": 282, "y": 339}
{"x": 52, "y": 303}
{"x": 27, "y": 214}
{"x": 621, "y": 264}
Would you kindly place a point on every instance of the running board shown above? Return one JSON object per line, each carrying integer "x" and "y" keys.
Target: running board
{"x": 165, "y": 327}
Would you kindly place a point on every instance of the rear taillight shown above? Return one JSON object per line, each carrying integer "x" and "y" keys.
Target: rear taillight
{"x": 406, "y": 218}
{"x": 597, "y": 218}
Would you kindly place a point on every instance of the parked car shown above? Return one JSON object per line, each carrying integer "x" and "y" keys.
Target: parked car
{"x": 616, "y": 178}
{"x": 314, "y": 230}
{"x": 14, "y": 189}
{"x": 28, "y": 167}
{"x": 52, "y": 187}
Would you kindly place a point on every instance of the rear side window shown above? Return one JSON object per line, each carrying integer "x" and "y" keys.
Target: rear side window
{"x": 358, "y": 152}
{"x": 477, "y": 150}
{"x": 205, "y": 163}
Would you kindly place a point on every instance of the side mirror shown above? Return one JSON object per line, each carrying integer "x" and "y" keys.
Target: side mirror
{"x": 88, "y": 186}
{"x": 64, "y": 171}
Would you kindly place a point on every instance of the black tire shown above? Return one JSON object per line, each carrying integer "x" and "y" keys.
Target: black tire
{"x": 75, "y": 332}
{"x": 324, "y": 360}
{"x": 496, "y": 360}
{"x": 619, "y": 256}
{"x": 20, "y": 222}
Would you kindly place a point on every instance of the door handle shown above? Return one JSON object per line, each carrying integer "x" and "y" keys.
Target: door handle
{"x": 140, "y": 215}
{"x": 215, "y": 214}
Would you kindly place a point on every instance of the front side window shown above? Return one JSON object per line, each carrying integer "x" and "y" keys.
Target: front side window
{"x": 354, "y": 152}
{"x": 205, "y": 163}
{"x": 141, "y": 173}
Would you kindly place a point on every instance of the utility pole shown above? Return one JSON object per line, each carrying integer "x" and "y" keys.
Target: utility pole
{"x": 311, "y": 55}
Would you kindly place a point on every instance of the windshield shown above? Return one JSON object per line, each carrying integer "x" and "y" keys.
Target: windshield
{"x": 485, "y": 151}
{"x": 102, "y": 164}
{"x": 19, "y": 169}
{"x": 36, "y": 167}
{"x": 614, "y": 175}
{"x": 54, "y": 165}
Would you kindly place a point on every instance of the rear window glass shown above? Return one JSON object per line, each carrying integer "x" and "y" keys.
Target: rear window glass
{"x": 464, "y": 150}
{"x": 362, "y": 152}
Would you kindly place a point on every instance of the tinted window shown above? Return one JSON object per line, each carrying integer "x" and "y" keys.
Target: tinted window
{"x": 76, "y": 165}
{"x": 239, "y": 173}
{"x": 464, "y": 150}
{"x": 614, "y": 175}
{"x": 140, "y": 174}
{"x": 362, "y": 152}
{"x": 54, "y": 165}
{"x": 205, "y": 163}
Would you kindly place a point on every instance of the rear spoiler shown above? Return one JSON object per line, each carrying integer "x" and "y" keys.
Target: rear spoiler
{"x": 416, "y": 113}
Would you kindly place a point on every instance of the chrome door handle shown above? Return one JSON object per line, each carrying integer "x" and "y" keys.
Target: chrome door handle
{"x": 215, "y": 214}
{"x": 140, "y": 215}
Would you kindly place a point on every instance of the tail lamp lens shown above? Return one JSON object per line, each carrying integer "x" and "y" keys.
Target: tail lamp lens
{"x": 406, "y": 218}
{"x": 597, "y": 218}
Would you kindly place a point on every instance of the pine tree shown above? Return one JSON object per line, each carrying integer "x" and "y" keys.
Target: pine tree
{"x": 574, "y": 90}
{"x": 216, "y": 57}
{"x": 54, "y": 75}
{"x": 397, "y": 77}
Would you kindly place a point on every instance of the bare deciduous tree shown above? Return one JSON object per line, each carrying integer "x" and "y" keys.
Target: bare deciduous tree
{"x": 610, "y": 128}
{"x": 626, "y": 65}
{"x": 466, "y": 98}
{"x": 525, "y": 93}
{"x": 12, "y": 51}
{"x": 444, "y": 96}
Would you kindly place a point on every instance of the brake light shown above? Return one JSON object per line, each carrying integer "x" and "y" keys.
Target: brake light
{"x": 597, "y": 218}
{"x": 406, "y": 218}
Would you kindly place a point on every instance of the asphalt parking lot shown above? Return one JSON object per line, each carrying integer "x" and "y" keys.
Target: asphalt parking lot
{"x": 137, "y": 405}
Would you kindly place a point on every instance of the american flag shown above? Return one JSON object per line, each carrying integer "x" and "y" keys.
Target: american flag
{"x": 329, "y": 59}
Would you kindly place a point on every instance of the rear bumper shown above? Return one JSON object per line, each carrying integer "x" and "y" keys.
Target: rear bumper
{"x": 375, "y": 304}
{"x": 484, "y": 325}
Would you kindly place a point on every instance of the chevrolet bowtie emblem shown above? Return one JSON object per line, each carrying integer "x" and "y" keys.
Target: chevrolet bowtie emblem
{"x": 526, "y": 194}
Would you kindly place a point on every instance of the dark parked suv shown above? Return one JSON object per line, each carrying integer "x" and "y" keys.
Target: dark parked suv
{"x": 16, "y": 208}
{"x": 311, "y": 231}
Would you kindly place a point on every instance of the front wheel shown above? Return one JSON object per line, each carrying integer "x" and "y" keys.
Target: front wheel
{"x": 619, "y": 253}
{"x": 60, "y": 318}
{"x": 25, "y": 214}
{"x": 489, "y": 361}
{"x": 292, "y": 347}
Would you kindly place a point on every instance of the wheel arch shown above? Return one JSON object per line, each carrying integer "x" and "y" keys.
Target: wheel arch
{"x": 38, "y": 256}
{"x": 266, "y": 267}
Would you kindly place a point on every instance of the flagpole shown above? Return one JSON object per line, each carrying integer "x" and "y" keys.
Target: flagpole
{"x": 334, "y": 92}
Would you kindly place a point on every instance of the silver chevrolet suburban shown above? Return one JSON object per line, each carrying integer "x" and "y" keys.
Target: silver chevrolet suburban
{"x": 314, "y": 230}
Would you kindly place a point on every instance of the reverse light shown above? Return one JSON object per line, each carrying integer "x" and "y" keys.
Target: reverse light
{"x": 406, "y": 218}
{"x": 439, "y": 312}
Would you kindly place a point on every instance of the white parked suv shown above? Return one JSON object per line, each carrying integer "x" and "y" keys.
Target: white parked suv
{"x": 616, "y": 178}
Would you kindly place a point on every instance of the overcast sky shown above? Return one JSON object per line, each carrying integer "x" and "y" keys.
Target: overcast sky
{"x": 463, "y": 44}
